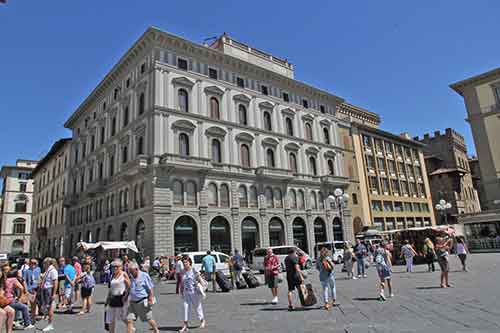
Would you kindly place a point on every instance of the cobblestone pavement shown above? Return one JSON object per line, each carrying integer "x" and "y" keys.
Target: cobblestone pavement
{"x": 472, "y": 305}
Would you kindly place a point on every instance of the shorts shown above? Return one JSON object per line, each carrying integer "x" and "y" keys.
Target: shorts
{"x": 139, "y": 310}
{"x": 87, "y": 292}
{"x": 272, "y": 281}
{"x": 68, "y": 293}
{"x": 45, "y": 300}
{"x": 293, "y": 284}
{"x": 443, "y": 263}
{"x": 77, "y": 287}
{"x": 384, "y": 272}
{"x": 115, "y": 314}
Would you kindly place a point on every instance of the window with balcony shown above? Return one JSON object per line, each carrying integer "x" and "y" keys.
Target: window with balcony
{"x": 268, "y": 193}
{"x": 314, "y": 200}
{"x": 267, "y": 121}
{"x": 308, "y": 132}
{"x": 216, "y": 151}
{"x": 293, "y": 162}
{"x": 253, "y": 198}
{"x": 178, "y": 188}
{"x": 183, "y": 100}
{"x": 293, "y": 199}
{"x": 289, "y": 126}
{"x": 183, "y": 144}
{"x": 243, "y": 196}
{"x": 212, "y": 195}
{"x": 278, "y": 198}
{"x": 312, "y": 166}
{"x": 191, "y": 193}
{"x": 242, "y": 115}
{"x": 270, "y": 158}
{"x": 245, "y": 156}
{"x": 326, "y": 135}
{"x": 214, "y": 108}
{"x": 300, "y": 200}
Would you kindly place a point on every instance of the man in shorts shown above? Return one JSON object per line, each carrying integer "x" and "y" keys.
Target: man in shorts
{"x": 69, "y": 285}
{"x": 49, "y": 287}
{"x": 294, "y": 275}
{"x": 141, "y": 299}
{"x": 271, "y": 273}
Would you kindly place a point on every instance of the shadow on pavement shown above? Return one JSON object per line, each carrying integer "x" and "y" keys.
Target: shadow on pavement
{"x": 294, "y": 310}
{"x": 256, "y": 303}
{"x": 171, "y": 293}
{"x": 174, "y": 328}
{"x": 430, "y": 288}
{"x": 365, "y": 299}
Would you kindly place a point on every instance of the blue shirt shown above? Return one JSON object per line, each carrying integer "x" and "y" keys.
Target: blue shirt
{"x": 32, "y": 277}
{"x": 208, "y": 263}
{"x": 140, "y": 286}
{"x": 70, "y": 272}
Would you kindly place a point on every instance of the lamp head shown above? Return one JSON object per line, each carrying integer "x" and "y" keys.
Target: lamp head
{"x": 338, "y": 192}
{"x": 442, "y": 202}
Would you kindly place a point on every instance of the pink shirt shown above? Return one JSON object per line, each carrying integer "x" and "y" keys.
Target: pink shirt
{"x": 9, "y": 288}
{"x": 78, "y": 268}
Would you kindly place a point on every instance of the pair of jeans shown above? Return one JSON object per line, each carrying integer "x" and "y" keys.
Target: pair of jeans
{"x": 23, "y": 308}
{"x": 329, "y": 287}
{"x": 409, "y": 264}
{"x": 361, "y": 265}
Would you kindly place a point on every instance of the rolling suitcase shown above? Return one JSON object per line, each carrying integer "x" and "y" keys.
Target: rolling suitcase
{"x": 222, "y": 282}
{"x": 251, "y": 280}
{"x": 306, "y": 295}
{"x": 241, "y": 284}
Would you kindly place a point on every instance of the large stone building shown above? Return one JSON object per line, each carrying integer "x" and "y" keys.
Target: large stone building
{"x": 17, "y": 207}
{"x": 394, "y": 189}
{"x": 449, "y": 174}
{"x": 51, "y": 179}
{"x": 481, "y": 95}
{"x": 186, "y": 147}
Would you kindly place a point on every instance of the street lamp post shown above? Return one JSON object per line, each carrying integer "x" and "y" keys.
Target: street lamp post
{"x": 340, "y": 199}
{"x": 442, "y": 207}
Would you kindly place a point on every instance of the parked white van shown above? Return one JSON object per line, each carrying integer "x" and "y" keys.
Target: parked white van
{"x": 336, "y": 247}
{"x": 281, "y": 251}
{"x": 221, "y": 260}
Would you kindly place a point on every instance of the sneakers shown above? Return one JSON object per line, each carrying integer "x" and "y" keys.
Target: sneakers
{"x": 29, "y": 327}
{"x": 391, "y": 295}
{"x": 364, "y": 276}
{"x": 354, "y": 278}
{"x": 381, "y": 297}
{"x": 48, "y": 328}
{"x": 359, "y": 276}
{"x": 18, "y": 326}
{"x": 275, "y": 300}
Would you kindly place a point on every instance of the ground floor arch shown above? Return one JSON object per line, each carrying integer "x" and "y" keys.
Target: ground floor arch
{"x": 300, "y": 234}
{"x": 220, "y": 235}
{"x": 338, "y": 231}
{"x": 319, "y": 230}
{"x": 250, "y": 238}
{"x": 17, "y": 246}
{"x": 276, "y": 232}
{"x": 185, "y": 235}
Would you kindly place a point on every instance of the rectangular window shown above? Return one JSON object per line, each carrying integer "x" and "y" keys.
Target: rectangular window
{"x": 127, "y": 83}
{"x": 421, "y": 189}
{"x": 381, "y": 164}
{"x": 373, "y": 184}
{"x": 240, "y": 82}
{"x": 182, "y": 64}
{"x": 22, "y": 187}
{"x": 388, "y": 206}
{"x": 388, "y": 148}
{"x": 370, "y": 162}
{"x": 212, "y": 73}
{"x": 305, "y": 103}
{"x": 408, "y": 207}
{"x": 23, "y": 175}
{"x": 392, "y": 167}
{"x": 395, "y": 186}
{"x": 264, "y": 90}
{"x": 103, "y": 134}
{"x": 398, "y": 206}
{"x": 367, "y": 142}
{"x": 143, "y": 68}
{"x": 322, "y": 109}
{"x": 354, "y": 199}
{"x": 376, "y": 205}
{"x": 286, "y": 97}
{"x": 385, "y": 185}
{"x": 416, "y": 207}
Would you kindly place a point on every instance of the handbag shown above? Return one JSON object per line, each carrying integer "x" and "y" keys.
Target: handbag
{"x": 327, "y": 265}
{"x": 4, "y": 301}
{"x": 202, "y": 285}
{"x": 116, "y": 301}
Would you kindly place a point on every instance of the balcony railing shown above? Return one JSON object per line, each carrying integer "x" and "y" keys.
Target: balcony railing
{"x": 335, "y": 180}
{"x": 274, "y": 173}
{"x": 98, "y": 186}
{"x": 187, "y": 162}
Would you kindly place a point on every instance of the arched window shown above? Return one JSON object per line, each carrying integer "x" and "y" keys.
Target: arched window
{"x": 243, "y": 196}
{"x": 242, "y": 115}
{"x": 268, "y": 126}
{"x": 309, "y": 135}
{"x": 224, "y": 195}
{"x": 292, "y": 159}
{"x": 270, "y": 158}
{"x": 142, "y": 104}
{"x": 140, "y": 145}
{"x": 191, "y": 197}
{"x": 19, "y": 226}
{"x": 254, "y": 202}
{"x": 326, "y": 135}
{"x": 143, "y": 194}
{"x": 216, "y": 151}
{"x": 245, "y": 156}
{"x": 312, "y": 166}
{"x": 278, "y": 198}
{"x": 331, "y": 167}
{"x": 178, "y": 188}
{"x": 212, "y": 195}
{"x": 214, "y": 108}
{"x": 183, "y": 100}
{"x": 268, "y": 192}
{"x": 300, "y": 200}
{"x": 289, "y": 126}
{"x": 293, "y": 199}
{"x": 314, "y": 200}
{"x": 183, "y": 144}
{"x": 126, "y": 116}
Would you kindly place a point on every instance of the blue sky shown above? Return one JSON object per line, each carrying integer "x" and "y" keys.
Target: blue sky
{"x": 395, "y": 58}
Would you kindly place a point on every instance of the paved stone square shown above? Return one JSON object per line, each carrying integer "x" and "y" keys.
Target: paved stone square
{"x": 472, "y": 305}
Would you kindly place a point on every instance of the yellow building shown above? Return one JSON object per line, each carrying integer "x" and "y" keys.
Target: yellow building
{"x": 388, "y": 179}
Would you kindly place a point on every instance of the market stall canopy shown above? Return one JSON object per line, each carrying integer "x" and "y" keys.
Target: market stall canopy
{"x": 130, "y": 245}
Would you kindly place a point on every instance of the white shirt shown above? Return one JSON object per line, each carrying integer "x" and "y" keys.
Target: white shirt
{"x": 461, "y": 249}
{"x": 51, "y": 275}
{"x": 179, "y": 266}
{"x": 118, "y": 286}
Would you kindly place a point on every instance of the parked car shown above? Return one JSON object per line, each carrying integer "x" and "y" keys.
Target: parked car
{"x": 336, "y": 247}
{"x": 221, "y": 260}
{"x": 281, "y": 251}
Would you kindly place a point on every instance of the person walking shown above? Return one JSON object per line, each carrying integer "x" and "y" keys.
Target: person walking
{"x": 49, "y": 287}
{"x": 208, "y": 266}
{"x": 179, "y": 271}
{"x": 87, "y": 283}
{"x": 383, "y": 263}
{"x": 462, "y": 251}
{"x": 106, "y": 268}
{"x": 237, "y": 263}
{"x": 69, "y": 286}
{"x": 12, "y": 287}
{"x": 190, "y": 294}
{"x": 408, "y": 252}
{"x": 117, "y": 296}
{"x": 429, "y": 254}
{"x": 271, "y": 273}
{"x": 324, "y": 265}
{"x": 141, "y": 299}
{"x": 360, "y": 251}
{"x": 294, "y": 275}
{"x": 348, "y": 259}
{"x": 442, "y": 248}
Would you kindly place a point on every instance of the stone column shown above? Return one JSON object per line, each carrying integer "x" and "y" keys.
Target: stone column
{"x": 235, "y": 215}
{"x": 310, "y": 235}
{"x": 162, "y": 224}
{"x": 347, "y": 226}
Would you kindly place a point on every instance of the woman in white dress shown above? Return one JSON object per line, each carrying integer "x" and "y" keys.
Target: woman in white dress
{"x": 117, "y": 296}
{"x": 191, "y": 294}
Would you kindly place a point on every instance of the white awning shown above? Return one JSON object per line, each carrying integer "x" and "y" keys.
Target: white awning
{"x": 130, "y": 245}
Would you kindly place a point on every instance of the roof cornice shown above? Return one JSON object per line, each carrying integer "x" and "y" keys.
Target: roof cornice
{"x": 475, "y": 80}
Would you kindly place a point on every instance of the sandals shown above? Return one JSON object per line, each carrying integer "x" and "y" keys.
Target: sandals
{"x": 184, "y": 329}
{"x": 290, "y": 308}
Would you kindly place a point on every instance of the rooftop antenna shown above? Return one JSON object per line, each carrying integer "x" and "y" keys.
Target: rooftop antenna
{"x": 205, "y": 41}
